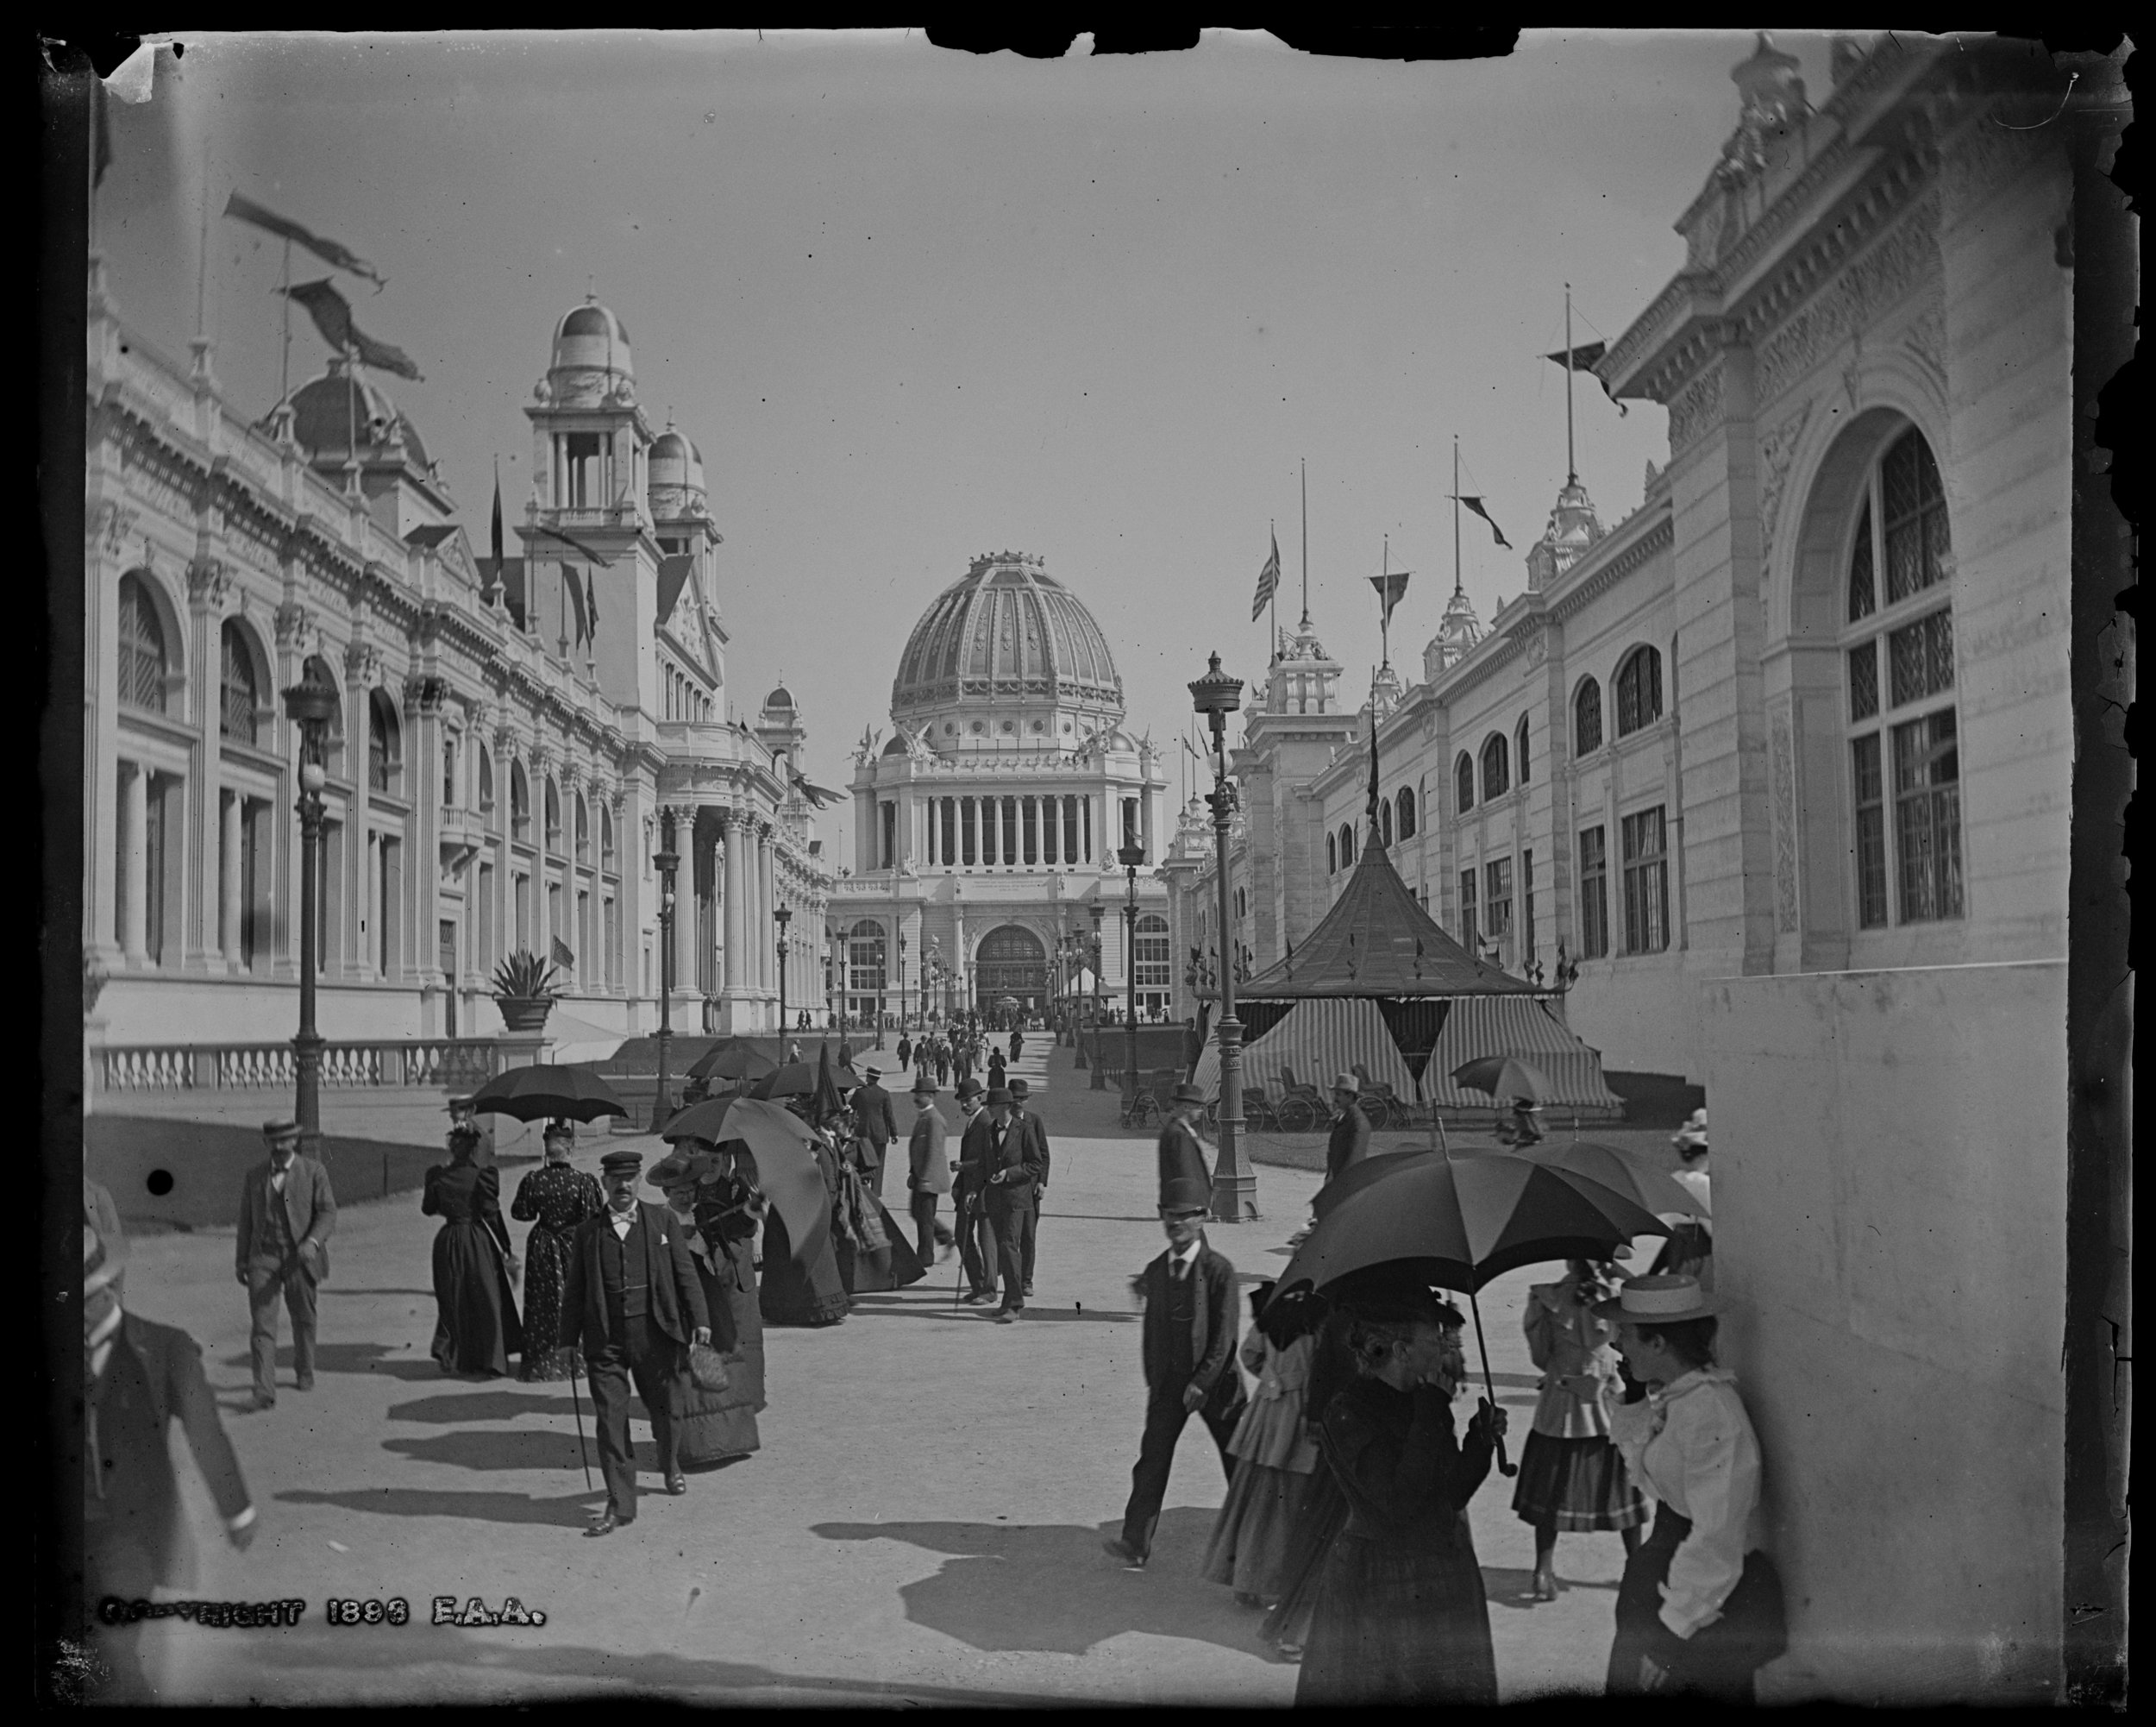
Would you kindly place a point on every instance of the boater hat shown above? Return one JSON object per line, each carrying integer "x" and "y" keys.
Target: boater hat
{"x": 1347, "y": 1082}
{"x": 621, "y": 1163}
{"x": 873, "y": 1072}
{"x": 276, "y": 1131}
{"x": 1670, "y": 1299}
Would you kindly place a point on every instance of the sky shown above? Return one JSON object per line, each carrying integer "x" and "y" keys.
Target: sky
{"x": 916, "y": 304}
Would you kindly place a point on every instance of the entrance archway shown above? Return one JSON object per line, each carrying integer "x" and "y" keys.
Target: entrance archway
{"x": 1011, "y": 961}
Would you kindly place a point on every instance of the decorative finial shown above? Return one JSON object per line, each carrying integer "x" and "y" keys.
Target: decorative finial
{"x": 591, "y": 290}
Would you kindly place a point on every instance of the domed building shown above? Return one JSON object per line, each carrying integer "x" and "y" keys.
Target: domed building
{"x": 987, "y": 825}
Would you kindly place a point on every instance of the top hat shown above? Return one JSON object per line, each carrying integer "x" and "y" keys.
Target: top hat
{"x": 1186, "y": 1193}
{"x": 1668, "y": 1299}
{"x": 1348, "y": 1082}
{"x": 621, "y": 1163}
{"x": 276, "y": 1131}
{"x": 968, "y": 1087}
{"x": 998, "y": 1094}
{"x": 1188, "y": 1092}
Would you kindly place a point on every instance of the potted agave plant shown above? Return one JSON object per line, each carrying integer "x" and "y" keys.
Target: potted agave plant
{"x": 524, "y": 991}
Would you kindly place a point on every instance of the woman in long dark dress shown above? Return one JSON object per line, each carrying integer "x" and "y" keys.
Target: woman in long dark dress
{"x": 714, "y": 1428}
{"x": 803, "y": 1292}
{"x": 477, "y": 1330}
{"x": 873, "y": 1254}
{"x": 1323, "y": 1512}
{"x": 1401, "y": 1615}
{"x": 553, "y": 1199}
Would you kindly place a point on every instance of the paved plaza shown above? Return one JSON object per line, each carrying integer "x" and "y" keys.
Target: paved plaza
{"x": 922, "y": 1525}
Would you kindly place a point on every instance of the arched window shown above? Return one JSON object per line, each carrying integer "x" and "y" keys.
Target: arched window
{"x": 1150, "y": 953}
{"x": 606, "y": 859}
{"x": 1638, "y": 690}
{"x": 1407, "y": 802}
{"x": 1385, "y": 820}
{"x": 1347, "y": 845}
{"x": 864, "y": 956}
{"x": 554, "y": 818}
{"x": 1463, "y": 783}
{"x": 1519, "y": 750}
{"x": 1587, "y": 718}
{"x": 239, "y": 695}
{"x": 583, "y": 830}
{"x": 486, "y": 781}
{"x": 1242, "y": 904}
{"x": 142, "y": 662}
{"x": 1898, "y": 658}
{"x": 449, "y": 772}
{"x": 519, "y": 802}
{"x": 384, "y": 743}
{"x": 1331, "y": 856}
{"x": 1496, "y": 780}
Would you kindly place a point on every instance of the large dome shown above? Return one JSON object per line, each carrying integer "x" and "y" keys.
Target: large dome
{"x": 1006, "y": 649}
{"x": 328, "y": 410}
{"x": 590, "y": 364}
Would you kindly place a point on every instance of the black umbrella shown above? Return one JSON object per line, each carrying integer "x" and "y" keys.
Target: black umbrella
{"x": 798, "y": 1079}
{"x": 1504, "y": 1076}
{"x": 541, "y": 1092}
{"x": 735, "y": 1058}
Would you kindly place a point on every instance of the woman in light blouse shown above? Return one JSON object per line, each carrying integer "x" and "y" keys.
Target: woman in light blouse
{"x": 1699, "y": 1611}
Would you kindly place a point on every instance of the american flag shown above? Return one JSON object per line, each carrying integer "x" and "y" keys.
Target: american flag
{"x": 1268, "y": 583}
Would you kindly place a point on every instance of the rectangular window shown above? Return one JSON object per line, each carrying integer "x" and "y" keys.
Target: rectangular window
{"x": 449, "y": 773}
{"x": 1921, "y": 658}
{"x": 888, "y": 815}
{"x": 1872, "y": 871}
{"x": 328, "y": 893}
{"x": 1527, "y": 904}
{"x": 1497, "y": 898}
{"x": 1010, "y": 848}
{"x": 1593, "y": 893}
{"x": 1050, "y": 852}
{"x": 1467, "y": 910}
{"x": 1864, "y": 680}
{"x": 951, "y": 830}
{"x": 1032, "y": 820}
{"x": 1086, "y": 811}
{"x": 1646, "y": 883}
{"x": 520, "y": 932}
{"x": 483, "y": 921}
{"x": 153, "y": 867}
{"x": 613, "y": 946}
{"x": 969, "y": 819}
{"x": 1129, "y": 821}
{"x": 1928, "y": 817}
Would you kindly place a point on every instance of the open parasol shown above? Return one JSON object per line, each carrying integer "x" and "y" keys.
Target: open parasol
{"x": 732, "y": 1059}
{"x": 1630, "y": 1173}
{"x": 1504, "y": 1076}
{"x": 787, "y": 1170}
{"x": 545, "y": 1090}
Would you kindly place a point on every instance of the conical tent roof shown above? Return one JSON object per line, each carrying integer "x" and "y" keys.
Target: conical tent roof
{"x": 1377, "y": 940}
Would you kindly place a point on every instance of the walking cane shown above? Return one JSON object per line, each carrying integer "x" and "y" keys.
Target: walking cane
{"x": 1503, "y": 1467}
{"x": 577, "y": 1401}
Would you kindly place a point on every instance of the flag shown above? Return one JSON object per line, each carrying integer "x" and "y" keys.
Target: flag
{"x": 573, "y": 583}
{"x": 100, "y": 134}
{"x": 498, "y": 521}
{"x": 561, "y": 956}
{"x": 332, "y": 314}
{"x": 1268, "y": 583}
{"x": 1475, "y": 505}
{"x": 591, "y": 606}
{"x": 1581, "y": 358}
{"x": 590, "y": 556}
{"x": 343, "y": 257}
{"x": 1377, "y": 835}
{"x": 1390, "y": 588}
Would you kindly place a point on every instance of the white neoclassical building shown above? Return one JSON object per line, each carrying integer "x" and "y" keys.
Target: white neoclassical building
{"x": 511, "y": 744}
{"x": 987, "y": 829}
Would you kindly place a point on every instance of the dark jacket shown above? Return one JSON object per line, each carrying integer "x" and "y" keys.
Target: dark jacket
{"x": 1036, "y": 1131}
{"x": 1213, "y": 1329}
{"x": 676, "y": 1296}
{"x": 928, "y": 1172}
{"x": 873, "y": 1116}
{"x": 980, "y": 1158}
{"x": 138, "y": 1517}
{"x": 311, "y": 1211}
{"x": 1181, "y": 1153}
{"x": 1349, "y": 1142}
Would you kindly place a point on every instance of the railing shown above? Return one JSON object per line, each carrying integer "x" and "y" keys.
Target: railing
{"x": 440, "y": 1063}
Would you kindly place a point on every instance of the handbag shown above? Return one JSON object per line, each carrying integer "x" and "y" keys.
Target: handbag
{"x": 707, "y": 1368}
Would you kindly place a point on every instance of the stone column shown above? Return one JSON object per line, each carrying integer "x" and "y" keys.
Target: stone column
{"x": 733, "y": 873}
{"x": 230, "y": 910}
{"x": 765, "y": 902}
{"x": 134, "y": 860}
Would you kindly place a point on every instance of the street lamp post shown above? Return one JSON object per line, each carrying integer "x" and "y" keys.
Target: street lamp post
{"x": 310, "y": 704}
{"x": 1216, "y": 695}
{"x": 905, "y": 1006}
{"x": 668, "y": 860}
{"x": 1099, "y": 1079}
{"x": 1129, "y": 856}
{"x": 782, "y": 916}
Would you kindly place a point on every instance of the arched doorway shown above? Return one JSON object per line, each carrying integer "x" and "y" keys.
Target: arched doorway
{"x": 1011, "y": 961}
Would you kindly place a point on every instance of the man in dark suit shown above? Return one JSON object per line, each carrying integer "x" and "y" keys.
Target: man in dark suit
{"x": 1029, "y": 1123}
{"x": 969, "y": 1190}
{"x": 138, "y": 1379}
{"x": 1349, "y": 1142}
{"x": 1181, "y": 1156}
{"x": 1002, "y": 1158}
{"x": 632, "y": 1299}
{"x": 287, "y": 1214}
{"x": 906, "y": 1051}
{"x": 876, "y": 1124}
{"x": 1188, "y": 1349}
{"x": 928, "y": 1174}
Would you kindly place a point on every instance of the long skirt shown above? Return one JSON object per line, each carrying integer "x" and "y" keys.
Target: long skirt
{"x": 476, "y": 1331}
{"x": 548, "y": 1352}
{"x": 1717, "y": 1662}
{"x": 1576, "y": 1485}
{"x": 1255, "y": 1527}
{"x": 1319, "y": 1519}
{"x": 1397, "y": 1622}
{"x": 709, "y": 1426}
{"x": 795, "y": 1291}
{"x": 885, "y": 1268}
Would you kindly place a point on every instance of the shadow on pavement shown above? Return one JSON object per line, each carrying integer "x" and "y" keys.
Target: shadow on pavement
{"x": 567, "y": 1512}
{"x": 1034, "y": 1315}
{"x": 349, "y": 1358}
{"x": 340, "y": 1290}
{"x": 491, "y": 1448}
{"x": 473, "y": 1406}
{"x": 1049, "y": 1587}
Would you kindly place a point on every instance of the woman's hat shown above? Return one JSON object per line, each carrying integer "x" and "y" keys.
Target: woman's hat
{"x": 1692, "y": 1136}
{"x": 682, "y": 1166}
{"x": 1668, "y": 1299}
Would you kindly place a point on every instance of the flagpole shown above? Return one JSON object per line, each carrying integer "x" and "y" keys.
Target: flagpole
{"x": 1384, "y": 606}
{"x": 285, "y": 366}
{"x": 1455, "y": 515}
{"x": 202, "y": 262}
{"x": 1272, "y": 599}
{"x": 1571, "y": 469}
{"x": 1305, "y": 546}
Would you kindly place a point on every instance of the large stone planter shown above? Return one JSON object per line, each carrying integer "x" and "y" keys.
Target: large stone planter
{"x": 525, "y": 1013}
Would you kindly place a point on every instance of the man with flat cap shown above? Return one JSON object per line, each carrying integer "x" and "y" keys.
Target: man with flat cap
{"x": 876, "y": 1125}
{"x": 1349, "y": 1142}
{"x": 1035, "y": 1129}
{"x": 632, "y": 1296}
{"x": 1188, "y": 1349}
{"x": 1001, "y": 1159}
{"x": 287, "y": 1214}
{"x": 1181, "y": 1156}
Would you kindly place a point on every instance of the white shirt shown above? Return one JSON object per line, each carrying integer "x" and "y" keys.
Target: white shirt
{"x": 621, "y": 1221}
{"x": 1181, "y": 1260}
{"x": 276, "y": 1176}
{"x": 1691, "y": 1445}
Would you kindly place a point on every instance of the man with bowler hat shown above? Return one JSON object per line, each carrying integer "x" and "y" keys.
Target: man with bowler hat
{"x": 928, "y": 1174}
{"x": 631, "y": 1295}
{"x": 1189, "y": 1348}
{"x": 976, "y": 1239}
{"x": 1028, "y": 1122}
{"x": 1181, "y": 1156}
{"x": 876, "y": 1125}
{"x": 1003, "y": 1158}
{"x": 287, "y": 1214}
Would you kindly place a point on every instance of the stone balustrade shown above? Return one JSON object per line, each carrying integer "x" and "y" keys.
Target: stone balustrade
{"x": 440, "y": 1063}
